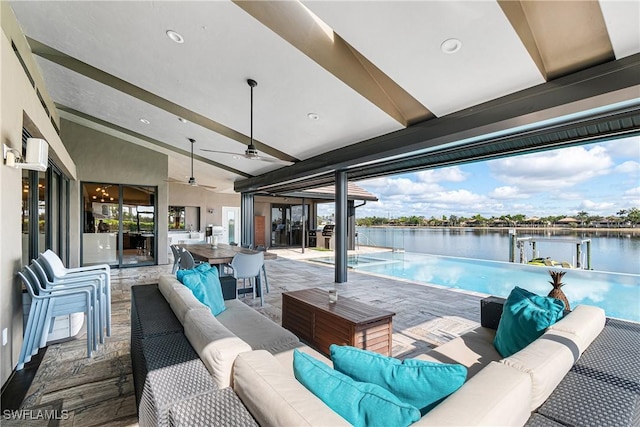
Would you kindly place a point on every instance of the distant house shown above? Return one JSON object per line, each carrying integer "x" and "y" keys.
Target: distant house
{"x": 567, "y": 222}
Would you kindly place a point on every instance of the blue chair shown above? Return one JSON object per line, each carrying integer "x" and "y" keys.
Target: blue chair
{"x": 57, "y": 271}
{"x": 46, "y": 305}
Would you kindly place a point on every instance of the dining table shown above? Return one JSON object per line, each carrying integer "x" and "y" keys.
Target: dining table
{"x": 223, "y": 254}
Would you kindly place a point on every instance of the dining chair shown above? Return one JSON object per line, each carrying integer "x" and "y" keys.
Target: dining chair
{"x": 45, "y": 307}
{"x": 248, "y": 266}
{"x": 262, "y": 248}
{"x": 57, "y": 271}
{"x": 187, "y": 262}
{"x": 176, "y": 258}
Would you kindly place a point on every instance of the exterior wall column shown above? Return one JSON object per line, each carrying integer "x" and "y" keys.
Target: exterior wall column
{"x": 341, "y": 227}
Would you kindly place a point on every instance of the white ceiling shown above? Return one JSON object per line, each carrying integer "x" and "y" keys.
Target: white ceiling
{"x": 224, "y": 45}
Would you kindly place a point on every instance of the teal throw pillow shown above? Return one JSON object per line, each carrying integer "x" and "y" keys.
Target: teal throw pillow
{"x": 180, "y": 274}
{"x": 419, "y": 383}
{"x": 525, "y": 317}
{"x": 206, "y": 287}
{"x": 361, "y": 404}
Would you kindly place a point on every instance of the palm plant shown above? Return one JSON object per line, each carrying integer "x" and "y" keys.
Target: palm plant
{"x": 556, "y": 292}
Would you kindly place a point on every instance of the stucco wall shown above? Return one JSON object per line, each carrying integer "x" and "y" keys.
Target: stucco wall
{"x": 19, "y": 104}
{"x": 105, "y": 158}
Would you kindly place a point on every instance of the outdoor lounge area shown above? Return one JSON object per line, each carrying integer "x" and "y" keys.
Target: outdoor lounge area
{"x": 428, "y": 321}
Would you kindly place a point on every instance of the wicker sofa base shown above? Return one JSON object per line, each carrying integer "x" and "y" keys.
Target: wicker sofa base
{"x": 173, "y": 387}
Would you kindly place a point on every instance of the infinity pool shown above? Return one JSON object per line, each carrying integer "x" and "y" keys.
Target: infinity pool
{"x": 617, "y": 293}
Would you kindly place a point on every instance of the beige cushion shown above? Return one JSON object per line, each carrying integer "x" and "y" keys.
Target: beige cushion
{"x": 585, "y": 322}
{"x": 182, "y": 300}
{"x": 215, "y": 344}
{"x": 167, "y": 282}
{"x": 274, "y": 397}
{"x": 474, "y": 350}
{"x": 260, "y": 332}
{"x": 285, "y": 357}
{"x": 547, "y": 360}
{"x": 497, "y": 396}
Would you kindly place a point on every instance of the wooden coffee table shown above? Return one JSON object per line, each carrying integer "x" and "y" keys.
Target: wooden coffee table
{"x": 308, "y": 314}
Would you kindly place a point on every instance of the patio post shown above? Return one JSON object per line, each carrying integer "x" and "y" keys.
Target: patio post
{"x": 246, "y": 218}
{"x": 341, "y": 226}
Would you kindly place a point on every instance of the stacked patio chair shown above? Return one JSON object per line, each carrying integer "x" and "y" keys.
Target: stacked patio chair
{"x": 58, "y": 273}
{"x": 47, "y": 304}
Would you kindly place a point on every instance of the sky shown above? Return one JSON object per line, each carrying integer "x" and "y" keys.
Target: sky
{"x": 600, "y": 179}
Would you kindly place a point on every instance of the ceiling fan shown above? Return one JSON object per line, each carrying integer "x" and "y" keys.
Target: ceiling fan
{"x": 252, "y": 152}
{"x": 192, "y": 180}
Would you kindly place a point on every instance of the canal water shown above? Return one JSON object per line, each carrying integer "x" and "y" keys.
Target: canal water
{"x": 611, "y": 250}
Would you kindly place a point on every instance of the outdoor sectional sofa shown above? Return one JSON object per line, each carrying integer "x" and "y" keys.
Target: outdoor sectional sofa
{"x": 191, "y": 368}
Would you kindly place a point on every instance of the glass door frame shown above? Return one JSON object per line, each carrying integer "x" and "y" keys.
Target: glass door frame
{"x": 120, "y": 231}
{"x": 286, "y": 210}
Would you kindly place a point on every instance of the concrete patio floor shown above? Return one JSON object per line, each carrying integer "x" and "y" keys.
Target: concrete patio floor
{"x": 99, "y": 391}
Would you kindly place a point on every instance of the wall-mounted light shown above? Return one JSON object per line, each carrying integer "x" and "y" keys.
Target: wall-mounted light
{"x": 210, "y": 210}
{"x": 36, "y": 158}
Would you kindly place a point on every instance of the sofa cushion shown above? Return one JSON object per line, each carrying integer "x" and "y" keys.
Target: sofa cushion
{"x": 360, "y": 403}
{"x": 285, "y": 357}
{"x": 417, "y": 382}
{"x": 497, "y": 396}
{"x": 205, "y": 285}
{"x": 180, "y": 298}
{"x": 525, "y": 317}
{"x": 215, "y": 344}
{"x": 474, "y": 350}
{"x": 547, "y": 360}
{"x": 585, "y": 322}
{"x": 260, "y": 332}
{"x": 274, "y": 397}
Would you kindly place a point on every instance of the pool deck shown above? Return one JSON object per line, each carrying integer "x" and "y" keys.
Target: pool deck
{"x": 99, "y": 391}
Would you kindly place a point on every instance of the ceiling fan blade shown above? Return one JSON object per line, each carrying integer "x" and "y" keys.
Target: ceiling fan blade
{"x": 259, "y": 158}
{"x": 175, "y": 181}
{"x": 272, "y": 160}
{"x": 223, "y": 152}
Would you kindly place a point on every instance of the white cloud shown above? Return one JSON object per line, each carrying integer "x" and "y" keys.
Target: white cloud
{"x": 625, "y": 147}
{"x": 630, "y": 167}
{"x": 451, "y": 174}
{"x": 541, "y": 172}
{"x": 507, "y": 193}
{"x": 631, "y": 198}
{"x": 594, "y": 208}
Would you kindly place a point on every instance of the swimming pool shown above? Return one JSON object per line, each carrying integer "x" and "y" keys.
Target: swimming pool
{"x": 617, "y": 293}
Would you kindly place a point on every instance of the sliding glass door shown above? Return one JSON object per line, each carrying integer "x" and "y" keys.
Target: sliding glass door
{"x": 287, "y": 224}
{"x": 119, "y": 224}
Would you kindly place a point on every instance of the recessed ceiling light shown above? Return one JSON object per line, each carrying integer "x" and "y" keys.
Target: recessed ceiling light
{"x": 313, "y": 116}
{"x": 145, "y": 121}
{"x": 451, "y": 46}
{"x": 175, "y": 36}
{"x": 181, "y": 120}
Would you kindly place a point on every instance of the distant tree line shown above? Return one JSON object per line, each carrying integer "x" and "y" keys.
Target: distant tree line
{"x": 622, "y": 218}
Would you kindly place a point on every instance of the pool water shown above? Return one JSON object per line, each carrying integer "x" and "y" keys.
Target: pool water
{"x": 617, "y": 293}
